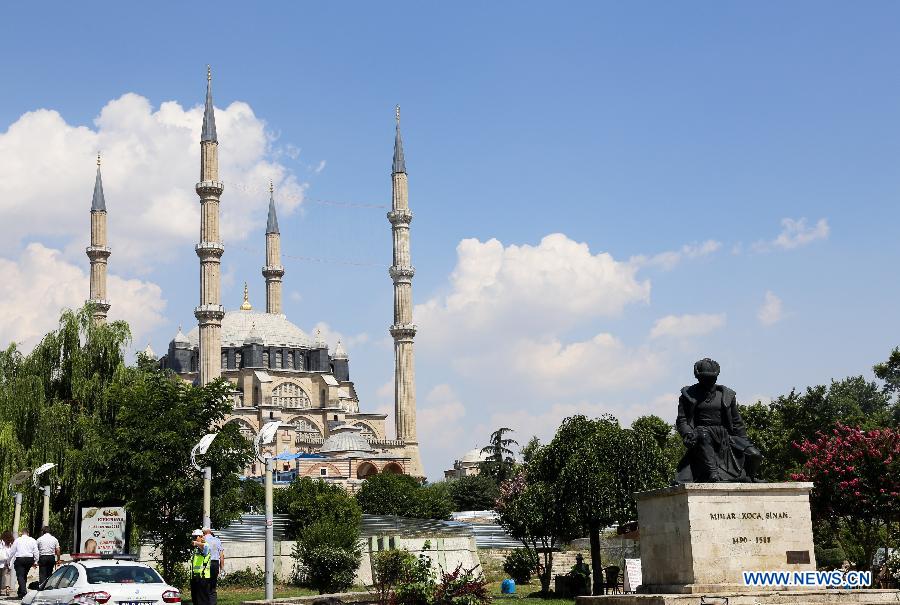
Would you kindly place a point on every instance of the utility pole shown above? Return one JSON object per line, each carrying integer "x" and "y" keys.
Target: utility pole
{"x": 270, "y": 534}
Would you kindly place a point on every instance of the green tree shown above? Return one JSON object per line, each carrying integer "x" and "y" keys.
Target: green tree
{"x": 668, "y": 440}
{"x": 594, "y": 467}
{"x": 530, "y": 449}
{"x": 307, "y": 500}
{"x": 403, "y": 496}
{"x": 159, "y": 420}
{"x": 501, "y": 462}
{"x": 473, "y": 492}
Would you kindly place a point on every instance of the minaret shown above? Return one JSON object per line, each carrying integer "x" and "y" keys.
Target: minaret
{"x": 210, "y": 312}
{"x": 403, "y": 330}
{"x": 98, "y": 252}
{"x": 273, "y": 271}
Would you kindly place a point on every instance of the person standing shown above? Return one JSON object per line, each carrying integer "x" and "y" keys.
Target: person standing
{"x": 200, "y": 569}
{"x": 24, "y": 555}
{"x": 6, "y": 542}
{"x": 216, "y": 562}
{"x": 48, "y": 553}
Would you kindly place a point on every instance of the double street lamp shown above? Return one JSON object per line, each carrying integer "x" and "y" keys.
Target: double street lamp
{"x": 35, "y": 478}
{"x": 14, "y": 483}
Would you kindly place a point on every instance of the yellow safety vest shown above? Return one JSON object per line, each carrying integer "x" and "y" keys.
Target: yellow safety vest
{"x": 200, "y": 564}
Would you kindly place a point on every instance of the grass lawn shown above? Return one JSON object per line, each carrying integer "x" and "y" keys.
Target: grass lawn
{"x": 521, "y": 597}
{"x": 235, "y": 596}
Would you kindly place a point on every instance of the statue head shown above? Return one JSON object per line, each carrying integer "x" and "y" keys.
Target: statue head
{"x": 706, "y": 371}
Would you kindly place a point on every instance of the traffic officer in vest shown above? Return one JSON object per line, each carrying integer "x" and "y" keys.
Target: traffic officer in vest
{"x": 200, "y": 569}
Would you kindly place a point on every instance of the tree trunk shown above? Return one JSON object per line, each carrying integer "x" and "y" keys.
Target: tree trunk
{"x": 596, "y": 563}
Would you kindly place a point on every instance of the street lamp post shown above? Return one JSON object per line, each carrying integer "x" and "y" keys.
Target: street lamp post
{"x": 267, "y": 435}
{"x": 199, "y": 450}
{"x": 17, "y": 480}
{"x": 45, "y": 519}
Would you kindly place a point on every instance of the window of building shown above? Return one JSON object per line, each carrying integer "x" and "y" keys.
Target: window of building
{"x": 265, "y": 359}
{"x": 237, "y": 359}
{"x": 290, "y": 395}
{"x": 290, "y": 363}
{"x": 323, "y": 472}
{"x": 224, "y": 359}
{"x": 277, "y": 359}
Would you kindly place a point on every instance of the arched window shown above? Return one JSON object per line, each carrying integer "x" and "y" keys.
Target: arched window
{"x": 366, "y": 470}
{"x": 367, "y": 431}
{"x": 304, "y": 427}
{"x": 290, "y": 395}
{"x": 244, "y": 428}
{"x": 393, "y": 468}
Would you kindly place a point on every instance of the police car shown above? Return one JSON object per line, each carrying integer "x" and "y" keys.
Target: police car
{"x": 118, "y": 580}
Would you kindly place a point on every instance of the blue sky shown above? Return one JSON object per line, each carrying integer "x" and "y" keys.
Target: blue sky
{"x": 634, "y": 128}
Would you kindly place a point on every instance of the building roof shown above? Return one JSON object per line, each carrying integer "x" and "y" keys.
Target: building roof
{"x": 98, "y": 204}
{"x": 272, "y": 223}
{"x": 181, "y": 339}
{"x": 339, "y": 352}
{"x": 274, "y": 330}
{"x": 346, "y": 439}
{"x": 474, "y": 455}
{"x": 209, "y": 114}
{"x": 399, "y": 161}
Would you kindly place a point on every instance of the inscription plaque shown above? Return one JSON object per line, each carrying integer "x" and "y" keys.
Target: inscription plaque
{"x": 797, "y": 557}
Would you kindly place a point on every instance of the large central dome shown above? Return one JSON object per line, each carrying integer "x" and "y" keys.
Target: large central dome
{"x": 275, "y": 330}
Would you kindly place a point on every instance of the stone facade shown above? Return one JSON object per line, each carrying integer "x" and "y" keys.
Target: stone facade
{"x": 700, "y": 537}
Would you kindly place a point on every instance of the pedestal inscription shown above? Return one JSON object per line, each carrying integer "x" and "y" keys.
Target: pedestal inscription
{"x": 701, "y": 537}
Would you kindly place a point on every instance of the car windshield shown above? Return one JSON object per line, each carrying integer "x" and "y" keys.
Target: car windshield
{"x": 122, "y": 574}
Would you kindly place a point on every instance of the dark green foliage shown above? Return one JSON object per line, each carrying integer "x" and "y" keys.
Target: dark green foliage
{"x": 528, "y": 450}
{"x": 307, "y": 500}
{"x": 501, "y": 463}
{"x": 389, "y": 568}
{"x": 417, "y": 585}
{"x": 253, "y": 496}
{"x": 519, "y": 564}
{"x": 327, "y": 568}
{"x": 243, "y": 578}
{"x": 403, "y": 496}
{"x": 151, "y": 456}
{"x": 474, "y": 492}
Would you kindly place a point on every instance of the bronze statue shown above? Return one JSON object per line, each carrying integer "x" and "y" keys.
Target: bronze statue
{"x": 711, "y": 428}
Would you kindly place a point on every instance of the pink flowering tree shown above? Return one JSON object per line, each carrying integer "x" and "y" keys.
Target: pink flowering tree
{"x": 856, "y": 477}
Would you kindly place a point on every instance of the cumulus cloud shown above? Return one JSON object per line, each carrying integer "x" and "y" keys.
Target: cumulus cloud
{"x": 554, "y": 284}
{"x": 684, "y": 326}
{"x": 771, "y": 311}
{"x": 150, "y": 166}
{"x": 438, "y": 418}
{"x": 795, "y": 233}
{"x": 331, "y": 336}
{"x": 40, "y": 283}
{"x": 670, "y": 259}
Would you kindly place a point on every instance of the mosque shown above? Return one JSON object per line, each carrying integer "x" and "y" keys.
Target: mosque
{"x": 279, "y": 372}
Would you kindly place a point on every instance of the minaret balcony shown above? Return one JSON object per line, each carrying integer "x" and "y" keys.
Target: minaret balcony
{"x": 208, "y": 188}
{"x": 207, "y": 250}
{"x": 275, "y": 272}
{"x": 209, "y": 314}
{"x": 100, "y": 305}
{"x": 401, "y": 275}
{"x": 98, "y": 253}
{"x": 403, "y": 332}
{"x": 401, "y": 216}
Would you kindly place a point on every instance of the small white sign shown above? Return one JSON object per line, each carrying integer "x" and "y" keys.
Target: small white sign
{"x": 632, "y": 575}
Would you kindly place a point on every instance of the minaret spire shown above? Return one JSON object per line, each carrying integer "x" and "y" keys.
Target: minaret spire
{"x": 273, "y": 271}
{"x": 402, "y": 329}
{"x": 210, "y": 312}
{"x": 98, "y": 252}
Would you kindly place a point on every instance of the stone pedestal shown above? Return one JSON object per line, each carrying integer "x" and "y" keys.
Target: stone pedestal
{"x": 700, "y": 537}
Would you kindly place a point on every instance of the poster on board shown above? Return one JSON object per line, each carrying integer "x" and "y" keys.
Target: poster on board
{"x": 102, "y": 529}
{"x": 632, "y": 575}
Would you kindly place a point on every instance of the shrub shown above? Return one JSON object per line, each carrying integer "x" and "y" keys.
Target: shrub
{"x": 520, "y": 564}
{"x": 180, "y": 578}
{"x": 417, "y": 584}
{"x": 893, "y": 565}
{"x": 473, "y": 492}
{"x": 462, "y": 587}
{"x": 402, "y": 495}
{"x": 389, "y": 568}
{"x": 327, "y": 568}
{"x": 243, "y": 578}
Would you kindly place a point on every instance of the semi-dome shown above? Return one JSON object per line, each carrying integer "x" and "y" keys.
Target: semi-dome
{"x": 273, "y": 329}
{"x": 346, "y": 439}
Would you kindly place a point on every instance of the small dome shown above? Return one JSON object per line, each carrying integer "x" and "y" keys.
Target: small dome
{"x": 346, "y": 439}
{"x": 181, "y": 341}
{"x": 475, "y": 455}
{"x": 339, "y": 352}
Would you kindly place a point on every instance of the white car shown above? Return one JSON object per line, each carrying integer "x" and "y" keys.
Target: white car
{"x": 104, "y": 581}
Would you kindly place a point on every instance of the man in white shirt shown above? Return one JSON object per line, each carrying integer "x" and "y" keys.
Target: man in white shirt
{"x": 24, "y": 555}
{"x": 217, "y": 562}
{"x": 48, "y": 553}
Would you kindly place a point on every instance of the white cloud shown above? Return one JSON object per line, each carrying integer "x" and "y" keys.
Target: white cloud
{"x": 670, "y": 259}
{"x": 685, "y": 326}
{"x": 555, "y": 284}
{"x": 331, "y": 336}
{"x": 320, "y": 167}
{"x": 796, "y": 233}
{"x": 438, "y": 418}
{"x": 150, "y": 166}
{"x": 40, "y": 283}
{"x": 771, "y": 311}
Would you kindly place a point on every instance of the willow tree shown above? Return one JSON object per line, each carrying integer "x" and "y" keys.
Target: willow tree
{"x": 54, "y": 408}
